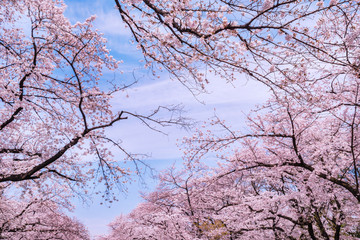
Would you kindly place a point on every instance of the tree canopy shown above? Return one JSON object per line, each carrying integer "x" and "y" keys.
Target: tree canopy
{"x": 293, "y": 175}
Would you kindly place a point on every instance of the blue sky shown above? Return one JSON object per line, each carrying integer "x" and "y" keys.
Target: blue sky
{"x": 229, "y": 101}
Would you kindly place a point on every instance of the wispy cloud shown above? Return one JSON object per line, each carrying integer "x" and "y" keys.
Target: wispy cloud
{"x": 228, "y": 101}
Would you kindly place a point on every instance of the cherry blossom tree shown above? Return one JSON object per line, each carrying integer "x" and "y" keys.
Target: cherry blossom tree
{"x": 194, "y": 39}
{"x": 231, "y": 203}
{"x": 54, "y": 110}
{"x": 50, "y": 103}
{"x": 37, "y": 219}
{"x": 50, "y": 100}
{"x": 54, "y": 104}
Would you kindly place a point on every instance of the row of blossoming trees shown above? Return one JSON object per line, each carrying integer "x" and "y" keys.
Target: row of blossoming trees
{"x": 295, "y": 173}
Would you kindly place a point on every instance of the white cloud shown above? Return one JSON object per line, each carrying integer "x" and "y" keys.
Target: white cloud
{"x": 109, "y": 22}
{"x": 108, "y": 19}
{"x": 166, "y": 91}
{"x": 231, "y": 102}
